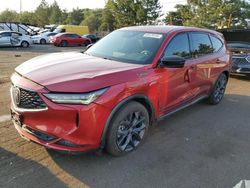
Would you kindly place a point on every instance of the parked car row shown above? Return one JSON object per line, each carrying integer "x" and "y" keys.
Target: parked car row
{"x": 13, "y": 38}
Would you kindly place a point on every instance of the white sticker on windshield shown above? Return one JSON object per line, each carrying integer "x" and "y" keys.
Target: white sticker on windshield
{"x": 152, "y": 35}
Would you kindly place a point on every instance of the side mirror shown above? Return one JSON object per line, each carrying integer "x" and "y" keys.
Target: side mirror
{"x": 89, "y": 46}
{"x": 172, "y": 61}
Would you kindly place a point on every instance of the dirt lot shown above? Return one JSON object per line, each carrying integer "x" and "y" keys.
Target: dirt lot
{"x": 201, "y": 146}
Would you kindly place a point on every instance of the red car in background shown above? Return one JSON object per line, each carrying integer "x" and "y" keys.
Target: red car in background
{"x": 69, "y": 39}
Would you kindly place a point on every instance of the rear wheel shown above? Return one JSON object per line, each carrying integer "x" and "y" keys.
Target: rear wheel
{"x": 218, "y": 91}
{"x": 127, "y": 129}
{"x": 64, "y": 43}
{"x": 25, "y": 44}
{"x": 86, "y": 43}
{"x": 42, "y": 41}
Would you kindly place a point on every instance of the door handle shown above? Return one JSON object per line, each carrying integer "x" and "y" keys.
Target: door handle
{"x": 217, "y": 61}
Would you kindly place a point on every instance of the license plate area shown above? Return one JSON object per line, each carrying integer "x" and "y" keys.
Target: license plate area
{"x": 16, "y": 118}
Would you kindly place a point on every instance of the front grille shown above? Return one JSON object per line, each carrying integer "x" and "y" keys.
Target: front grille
{"x": 240, "y": 61}
{"x": 27, "y": 99}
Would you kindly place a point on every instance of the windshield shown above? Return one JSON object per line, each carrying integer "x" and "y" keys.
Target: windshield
{"x": 128, "y": 46}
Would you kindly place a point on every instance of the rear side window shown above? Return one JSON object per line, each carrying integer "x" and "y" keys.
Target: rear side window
{"x": 217, "y": 44}
{"x": 179, "y": 46}
{"x": 201, "y": 44}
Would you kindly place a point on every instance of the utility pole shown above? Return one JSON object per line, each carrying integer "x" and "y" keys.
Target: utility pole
{"x": 20, "y": 7}
{"x": 229, "y": 20}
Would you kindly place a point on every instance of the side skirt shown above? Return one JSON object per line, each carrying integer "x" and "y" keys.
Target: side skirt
{"x": 182, "y": 107}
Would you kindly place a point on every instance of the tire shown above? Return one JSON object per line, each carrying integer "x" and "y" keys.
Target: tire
{"x": 64, "y": 43}
{"x": 127, "y": 129}
{"x": 25, "y": 44}
{"x": 218, "y": 91}
{"x": 86, "y": 43}
{"x": 42, "y": 41}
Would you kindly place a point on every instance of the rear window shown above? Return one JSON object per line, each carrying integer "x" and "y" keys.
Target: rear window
{"x": 217, "y": 44}
{"x": 201, "y": 44}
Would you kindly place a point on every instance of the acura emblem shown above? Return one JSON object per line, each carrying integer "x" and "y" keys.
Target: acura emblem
{"x": 16, "y": 95}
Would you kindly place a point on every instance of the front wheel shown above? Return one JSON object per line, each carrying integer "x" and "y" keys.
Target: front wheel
{"x": 128, "y": 129}
{"x": 64, "y": 43}
{"x": 86, "y": 43}
{"x": 42, "y": 41}
{"x": 25, "y": 44}
{"x": 218, "y": 91}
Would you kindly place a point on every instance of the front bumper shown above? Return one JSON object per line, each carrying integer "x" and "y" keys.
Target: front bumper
{"x": 59, "y": 126}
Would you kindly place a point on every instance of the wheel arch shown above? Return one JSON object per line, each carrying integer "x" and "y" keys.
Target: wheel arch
{"x": 140, "y": 98}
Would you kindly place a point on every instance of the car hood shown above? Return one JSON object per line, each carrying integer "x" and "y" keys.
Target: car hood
{"x": 77, "y": 72}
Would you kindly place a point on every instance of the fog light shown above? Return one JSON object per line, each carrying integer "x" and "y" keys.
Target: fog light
{"x": 67, "y": 143}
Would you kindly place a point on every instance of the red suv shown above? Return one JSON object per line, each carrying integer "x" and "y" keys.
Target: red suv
{"x": 69, "y": 39}
{"x": 108, "y": 96}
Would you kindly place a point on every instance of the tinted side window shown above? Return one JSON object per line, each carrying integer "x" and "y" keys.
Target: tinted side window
{"x": 217, "y": 44}
{"x": 7, "y": 34}
{"x": 68, "y": 36}
{"x": 201, "y": 44}
{"x": 179, "y": 46}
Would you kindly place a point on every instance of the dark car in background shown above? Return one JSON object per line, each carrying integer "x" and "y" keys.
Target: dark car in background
{"x": 69, "y": 39}
{"x": 238, "y": 42}
{"x": 93, "y": 38}
{"x": 241, "y": 57}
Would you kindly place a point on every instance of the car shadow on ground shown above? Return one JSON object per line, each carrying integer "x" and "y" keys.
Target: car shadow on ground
{"x": 16, "y": 171}
{"x": 200, "y": 146}
{"x": 245, "y": 77}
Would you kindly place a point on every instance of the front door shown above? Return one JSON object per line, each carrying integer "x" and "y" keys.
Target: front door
{"x": 175, "y": 88}
{"x": 5, "y": 39}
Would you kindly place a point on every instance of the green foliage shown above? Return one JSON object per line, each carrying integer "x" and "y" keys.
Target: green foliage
{"x": 108, "y": 18}
{"x": 55, "y": 14}
{"x": 42, "y": 13}
{"x": 116, "y": 14}
{"x": 93, "y": 19}
{"x": 9, "y": 16}
{"x": 211, "y": 13}
{"x": 75, "y": 17}
{"x": 28, "y": 17}
{"x": 134, "y": 12}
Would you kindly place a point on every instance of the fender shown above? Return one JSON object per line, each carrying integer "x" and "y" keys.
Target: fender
{"x": 117, "y": 107}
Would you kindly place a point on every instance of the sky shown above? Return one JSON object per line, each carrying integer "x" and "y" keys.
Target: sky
{"x": 30, "y": 5}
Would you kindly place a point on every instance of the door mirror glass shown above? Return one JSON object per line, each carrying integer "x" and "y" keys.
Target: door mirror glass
{"x": 172, "y": 61}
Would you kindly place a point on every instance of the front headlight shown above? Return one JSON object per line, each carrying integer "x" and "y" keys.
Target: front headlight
{"x": 75, "y": 98}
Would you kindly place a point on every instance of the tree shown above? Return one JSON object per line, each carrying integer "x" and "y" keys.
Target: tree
{"x": 211, "y": 13}
{"x": 75, "y": 17}
{"x": 9, "y": 16}
{"x": 42, "y": 13}
{"x": 93, "y": 19}
{"x": 28, "y": 18}
{"x": 55, "y": 14}
{"x": 134, "y": 12}
{"x": 108, "y": 19}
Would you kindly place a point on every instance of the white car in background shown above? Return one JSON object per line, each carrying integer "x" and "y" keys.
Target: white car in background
{"x": 13, "y": 38}
{"x": 43, "y": 38}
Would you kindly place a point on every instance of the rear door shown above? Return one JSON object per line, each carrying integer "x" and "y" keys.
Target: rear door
{"x": 202, "y": 51}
